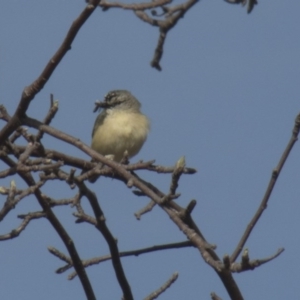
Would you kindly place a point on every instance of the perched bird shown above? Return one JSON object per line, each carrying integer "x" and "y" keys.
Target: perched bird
{"x": 120, "y": 128}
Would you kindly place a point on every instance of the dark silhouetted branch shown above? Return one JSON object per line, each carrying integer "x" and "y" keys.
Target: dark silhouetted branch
{"x": 273, "y": 180}
{"x": 113, "y": 247}
{"x": 163, "y": 288}
{"x": 136, "y": 252}
{"x": 30, "y": 91}
{"x": 59, "y": 229}
{"x": 247, "y": 264}
{"x": 26, "y": 219}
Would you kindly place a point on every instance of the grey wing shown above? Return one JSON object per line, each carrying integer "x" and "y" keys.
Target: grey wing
{"x": 99, "y": 120}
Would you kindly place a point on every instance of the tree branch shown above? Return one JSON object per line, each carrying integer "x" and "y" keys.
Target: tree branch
{"x": 273, "y": 180}
{"x": 136, "y": 252}
{"x": 35, "y": 87}
{"x": 60, "y": 231}
{"x": 26, "y": 219}
{"x": 186, "y": 225}
{"x": 247, "y": 264}
{"x": 112, "y": 244}
{"x": 163, "y": 288}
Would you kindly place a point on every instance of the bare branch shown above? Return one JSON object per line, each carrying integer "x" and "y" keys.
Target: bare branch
{"x": 178, "y": 170}
{"x": 82, "y": 217}
{"x": 247, "y": 264}
{"x": 214, "y": 296}
{"x": 26, "y": 219}
{"x": 59, "y": 229}
{"x": 57, "y": 156}
{"x": 163, "y": 288}
{"x": 50, "y": 115}
{"x": 251, "y": 4}
{"x": 250, "y": 7}
{"x": 52, "y": 202}
{"x": 12, "y": 200}
{"x": 113, "y": 247}
{"x": 179, "y": 215}
{"x": 20, "y": 131}
{"x": 273, "y": 180}
{"x": 136, "y": 252}
{"x": 7, "y": 172}
{"x": 185, "y": 222}
{"x": 30, "y": 91}
{"x": 60, "y": 255}
{"x": 134, "y": 6}
{"x": 171, "y": 18}
{"x": 84, "y": 164}
{"x": 144, "y": 210}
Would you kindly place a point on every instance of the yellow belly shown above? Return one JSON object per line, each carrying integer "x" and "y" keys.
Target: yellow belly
{"x": 120, "y": 132}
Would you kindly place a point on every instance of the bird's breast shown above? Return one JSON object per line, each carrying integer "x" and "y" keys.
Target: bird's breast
{"x": 120, "y": 132}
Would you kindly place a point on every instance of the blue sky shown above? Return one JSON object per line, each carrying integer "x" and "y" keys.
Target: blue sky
{"x": 226, "y": 99}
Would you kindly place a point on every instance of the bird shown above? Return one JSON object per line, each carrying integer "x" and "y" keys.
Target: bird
{"x": 120, "y": 128}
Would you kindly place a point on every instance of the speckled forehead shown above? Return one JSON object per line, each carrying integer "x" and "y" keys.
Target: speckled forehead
{"x": 110, "y": 95}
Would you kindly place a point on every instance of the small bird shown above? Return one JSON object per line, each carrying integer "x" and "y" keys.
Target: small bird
{"x": 120, "y": 128}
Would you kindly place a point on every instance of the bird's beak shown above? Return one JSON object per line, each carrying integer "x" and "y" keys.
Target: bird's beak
{"x": 100, "y": 105}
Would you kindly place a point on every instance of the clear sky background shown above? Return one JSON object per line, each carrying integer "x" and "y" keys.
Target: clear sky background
{"x": 226, "y": 99}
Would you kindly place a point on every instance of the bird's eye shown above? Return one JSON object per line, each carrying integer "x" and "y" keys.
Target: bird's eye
{"x": 109, "y": 96}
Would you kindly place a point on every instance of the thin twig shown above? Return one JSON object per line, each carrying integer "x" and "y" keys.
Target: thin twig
{"x": 273, "y": 180}
{"x": 60, "y": 231}
{"x": 26, "y": 219}
{"x": 171, "y": 19}
{"x": 144, "y": 210}
{"x": 136, "y": 252}
{"x": 214, "y": 296}
{"x": 50, "y": 115}
{"x": 134, "y": 6}
{"x": 30, "y": 91}
{"x": 60, "y": 255}
{"x": 247, "y": 264}
{"x": 178, "y": 170}
{"x": 250, "y": 7}
{"x": 163, "y": 288}
{"x": 11, "y": 202}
